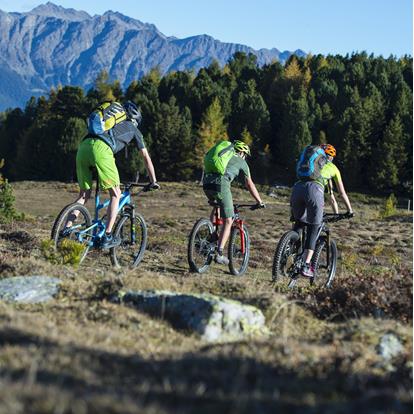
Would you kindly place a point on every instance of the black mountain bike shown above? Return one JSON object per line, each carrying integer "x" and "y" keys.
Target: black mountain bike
{"x": 288, "y": 259}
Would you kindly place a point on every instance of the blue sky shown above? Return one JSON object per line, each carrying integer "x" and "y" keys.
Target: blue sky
{"x": 382, "y": 27}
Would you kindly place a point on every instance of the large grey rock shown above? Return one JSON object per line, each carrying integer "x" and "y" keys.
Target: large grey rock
{"x": 389, "y": 346}
{"x": 28, "y": 289}
{"x": 213, "y": 318}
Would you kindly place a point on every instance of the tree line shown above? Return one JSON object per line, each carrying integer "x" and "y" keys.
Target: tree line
{"x": 360, "y": 104}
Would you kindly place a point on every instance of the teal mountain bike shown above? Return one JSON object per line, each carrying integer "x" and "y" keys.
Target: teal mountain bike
{"x": 130, "y": 228}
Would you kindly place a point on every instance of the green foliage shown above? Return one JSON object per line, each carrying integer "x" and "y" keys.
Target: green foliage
{"x": 361, "y": 104}
{"x": 211, "y": 130}
{"x": 7, "y": 211}
{"x": 68, "y": 252}
{"x": 389, "y": 208}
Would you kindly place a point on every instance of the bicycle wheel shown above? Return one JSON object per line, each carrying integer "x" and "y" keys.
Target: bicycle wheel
{"x": 239, "y": 250}
{"x": 324, "y": 269}
{"x": 76, "y": 232}
{"x": 200, "y": 249}
{"x": 285, "y": 255}
{"x": 133, "y": 235}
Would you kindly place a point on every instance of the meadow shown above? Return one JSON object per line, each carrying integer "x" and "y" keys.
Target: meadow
{"x": 80, "y": 353}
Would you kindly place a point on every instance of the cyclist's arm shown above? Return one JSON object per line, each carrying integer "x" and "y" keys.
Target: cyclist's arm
{"x": 149, "y": 165}
{"x": 332, "y": 198}
{"x": 253, "y": 190}
{"x": 343, "y": 194}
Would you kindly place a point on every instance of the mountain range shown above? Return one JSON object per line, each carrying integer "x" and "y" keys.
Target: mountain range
{"x": 52, "y": 45}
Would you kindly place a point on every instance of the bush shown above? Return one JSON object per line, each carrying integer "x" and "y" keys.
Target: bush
{"x": 7, "y": 210}
{"x": 67, "y": 252}
{"x": 365, "y": 293}
{"x": 389, "y": 207}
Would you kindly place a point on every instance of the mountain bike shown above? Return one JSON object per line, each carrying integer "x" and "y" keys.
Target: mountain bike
{"x": 202, "y": 242}
{"x": 130, "y": 228}
{"x": 288, "y": 258}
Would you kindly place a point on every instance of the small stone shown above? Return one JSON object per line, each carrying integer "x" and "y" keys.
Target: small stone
{"x": 28, "y": 289}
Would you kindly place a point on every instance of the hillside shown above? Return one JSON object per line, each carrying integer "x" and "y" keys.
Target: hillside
{"x": 51, "y": 46}
{"x": 81, "y": 353}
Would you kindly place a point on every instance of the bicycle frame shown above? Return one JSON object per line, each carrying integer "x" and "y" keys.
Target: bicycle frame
{"x": 237, "y": 222}
{"x": 98, "y": 225}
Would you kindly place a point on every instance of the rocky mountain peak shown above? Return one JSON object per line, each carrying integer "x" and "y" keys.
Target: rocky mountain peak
{"x": 53, "y": 10}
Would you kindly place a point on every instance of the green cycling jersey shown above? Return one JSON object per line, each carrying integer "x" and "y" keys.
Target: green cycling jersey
{"x": 329, "y": 171}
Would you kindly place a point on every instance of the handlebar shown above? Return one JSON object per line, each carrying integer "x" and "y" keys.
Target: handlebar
{"x": 237, "y": 206}
{"x": 250, "y": 206}
{"x": 333, "y": 217}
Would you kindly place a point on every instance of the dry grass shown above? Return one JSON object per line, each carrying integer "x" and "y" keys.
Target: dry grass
{"x": 82, "y": 354}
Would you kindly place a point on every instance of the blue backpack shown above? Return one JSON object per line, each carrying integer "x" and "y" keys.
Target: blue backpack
{"x": 310, "y": 163}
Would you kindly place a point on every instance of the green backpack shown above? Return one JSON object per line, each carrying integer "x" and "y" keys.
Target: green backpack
{"x": 217, "y": 158}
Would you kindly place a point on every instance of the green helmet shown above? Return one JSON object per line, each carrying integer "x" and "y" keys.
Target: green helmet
{"x": 240, "y": 146}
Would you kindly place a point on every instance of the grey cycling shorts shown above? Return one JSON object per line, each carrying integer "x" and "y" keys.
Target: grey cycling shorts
{"x": 307, "y": 202}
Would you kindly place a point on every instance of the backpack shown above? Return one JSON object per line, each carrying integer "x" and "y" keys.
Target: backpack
{"x": 217, "y": 158}
{"x": 310, "y": 163}
{"x": 105, "y": 117}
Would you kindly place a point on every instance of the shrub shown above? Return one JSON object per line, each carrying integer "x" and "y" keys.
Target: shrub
{"x": 376, "y": 292}
{"x": 7, "y": 210}
{"x": 67, "y": 252}
{"x": 389, "y": 207}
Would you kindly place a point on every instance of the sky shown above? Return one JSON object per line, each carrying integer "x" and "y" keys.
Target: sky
{"x": 381, "y": 27}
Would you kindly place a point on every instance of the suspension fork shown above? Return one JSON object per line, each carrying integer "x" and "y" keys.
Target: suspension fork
{"x": 131, "y": 213}
{"x": 328, "y": 247}
{"x": 238, "y": 223}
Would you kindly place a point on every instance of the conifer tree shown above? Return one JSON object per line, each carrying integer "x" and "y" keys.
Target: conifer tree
{"x": 211, "y": 130}
{"x": 389, "y": 157}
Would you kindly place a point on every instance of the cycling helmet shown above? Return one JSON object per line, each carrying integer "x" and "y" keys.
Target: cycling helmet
{"x": 240, "y": 146}
{"x": 329, "y": 149}
{"x": 133, "y": 111}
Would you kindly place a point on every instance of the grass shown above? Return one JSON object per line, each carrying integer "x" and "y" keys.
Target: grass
{"x": 83, "y": 354}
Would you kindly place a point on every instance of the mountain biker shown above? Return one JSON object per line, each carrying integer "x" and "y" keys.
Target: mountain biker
{"x": 217, "y": 188}
{"x": 97, "y": 152}
{"x": 307, "y": 203}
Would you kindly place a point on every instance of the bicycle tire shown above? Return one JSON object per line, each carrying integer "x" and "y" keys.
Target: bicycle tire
{"x": 198, "y": 244}
{"x": 234, "y": 251}
{"x": 61, "y": 220}
{"x": 285, "y": 254}
{"x": 324, "y": 272}
{"x": 124, "y": 255}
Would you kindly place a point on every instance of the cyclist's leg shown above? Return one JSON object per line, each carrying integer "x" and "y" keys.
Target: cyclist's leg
{"x": 314, "y": 213}
{"x": 211, "y": 187}
{"x": 227, "y": 212}
{"x": 115, "y": 194}
{"x": 84, "y": 160}
{"x": 108, "y": 179}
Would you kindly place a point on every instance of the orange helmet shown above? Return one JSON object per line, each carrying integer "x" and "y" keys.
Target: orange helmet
{"x": 329, "y": 149}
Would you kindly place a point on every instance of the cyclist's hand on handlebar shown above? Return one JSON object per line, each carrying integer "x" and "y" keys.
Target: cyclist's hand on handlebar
{"x": 259, "y": 205}
{"x": 152, "y": 187}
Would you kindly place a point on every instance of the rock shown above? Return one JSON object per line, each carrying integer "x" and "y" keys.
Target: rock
{"x": 214, "y": 319}
{"x": 28, "y": 289}
{"x": 389, "y": 346}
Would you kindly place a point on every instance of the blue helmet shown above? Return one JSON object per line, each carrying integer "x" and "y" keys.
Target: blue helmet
{"x": 133, "y": 111}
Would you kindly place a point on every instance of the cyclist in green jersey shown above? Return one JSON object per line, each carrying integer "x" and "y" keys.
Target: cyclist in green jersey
{"x": 97, "y": 152}
{"x": 217, "y": 188}
{"x": 307, "y": 203}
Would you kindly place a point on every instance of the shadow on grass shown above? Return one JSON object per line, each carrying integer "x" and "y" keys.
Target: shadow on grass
{"x": 195, "y": 383}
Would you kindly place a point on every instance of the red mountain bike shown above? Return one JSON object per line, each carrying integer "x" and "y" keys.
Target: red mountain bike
{"x": 203, "y": 238}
